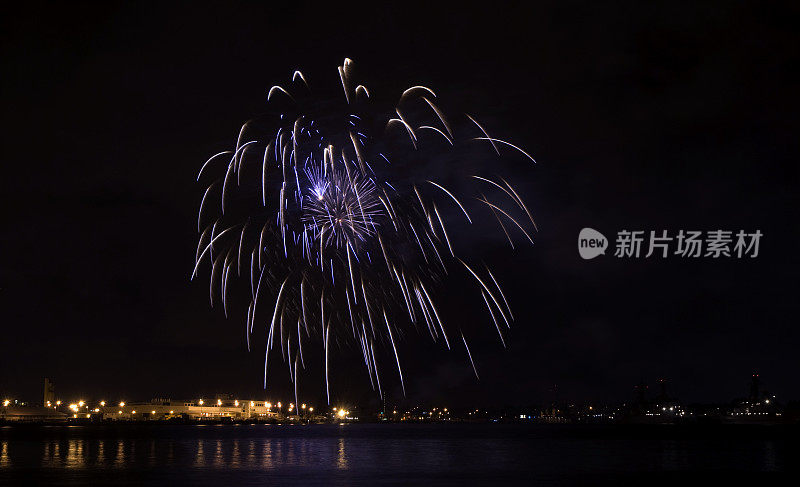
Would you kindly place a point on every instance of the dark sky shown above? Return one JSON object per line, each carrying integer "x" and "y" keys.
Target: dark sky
{"x": 648, "y": 117}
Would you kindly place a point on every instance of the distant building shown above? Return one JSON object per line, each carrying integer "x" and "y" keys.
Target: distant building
{"x": 661, "y": 409}
{"x": 19, "y": 413}
{"x": 49, "y": 393}
{"x": 759, "y": 407}
{"x": 160, "y": 409}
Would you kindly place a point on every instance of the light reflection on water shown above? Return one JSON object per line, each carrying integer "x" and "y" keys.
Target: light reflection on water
{"x": 119, "y": 458}
{"x": 341, "y": 459}
{"x": 4, "y": 461}
{"x": 264, "y": 453}
{"x": 405, "y": 454}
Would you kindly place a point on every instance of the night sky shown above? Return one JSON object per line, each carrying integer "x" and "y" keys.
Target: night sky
{"x": 661, "y": 117}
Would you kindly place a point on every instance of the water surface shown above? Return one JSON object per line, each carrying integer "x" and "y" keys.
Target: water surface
{"x": 392, "y": 454}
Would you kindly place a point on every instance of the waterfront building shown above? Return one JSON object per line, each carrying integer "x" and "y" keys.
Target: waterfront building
{"x": 195, "y": 409}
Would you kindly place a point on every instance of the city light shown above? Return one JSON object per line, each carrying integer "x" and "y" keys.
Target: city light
{"x": 102, "y": 403}
{"x": 122, "y": 404}
{"x": 304, "y": 412}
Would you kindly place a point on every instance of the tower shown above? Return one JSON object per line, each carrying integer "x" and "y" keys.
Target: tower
{"x": 663, "y": 396}
{"x": 755, "y": 388}
{"x": 49, "y": 392}
{"x": 641, "y": 392}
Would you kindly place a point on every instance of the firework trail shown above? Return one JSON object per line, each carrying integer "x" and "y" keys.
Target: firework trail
{"x": 309, "y": 209}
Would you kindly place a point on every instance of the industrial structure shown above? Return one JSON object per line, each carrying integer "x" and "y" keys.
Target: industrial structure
{"x": 159, "y": 409}
{"x": 221, "y": 407}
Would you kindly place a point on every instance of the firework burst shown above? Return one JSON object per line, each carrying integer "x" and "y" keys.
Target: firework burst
{"x": 332, "y": 245}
